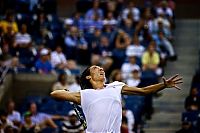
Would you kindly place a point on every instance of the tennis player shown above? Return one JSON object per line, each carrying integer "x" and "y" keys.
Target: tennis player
{"x": 101, "y": 103}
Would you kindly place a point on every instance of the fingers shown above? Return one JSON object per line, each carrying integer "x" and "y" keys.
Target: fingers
{"x": 178, "y": 79}
{"x": 178, "y": 88}
{"x": 178, "y": 82}
{"x": 173, "y": 77}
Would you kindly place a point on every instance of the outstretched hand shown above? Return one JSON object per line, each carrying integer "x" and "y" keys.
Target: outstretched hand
{"x": 173, "y": 81}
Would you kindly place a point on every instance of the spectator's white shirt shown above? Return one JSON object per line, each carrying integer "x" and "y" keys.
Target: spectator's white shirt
{"x": 136, "y": 50}
{"x": 103, "y": 108}
{"x": 59, "y": 86}
{"x": 74, "y": 87}
{"x": 22, "y": 38}
{"x": 127, "y": 68}
{"x": 133, "y": 82}
{"x": 135, "y": 11}
{"x": 168, "y": 11}
{"x": 57, "y": 58}
{"x": 15, "y": 116}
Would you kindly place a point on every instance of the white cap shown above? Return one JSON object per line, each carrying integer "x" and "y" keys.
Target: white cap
{"x": 44, "y": 51}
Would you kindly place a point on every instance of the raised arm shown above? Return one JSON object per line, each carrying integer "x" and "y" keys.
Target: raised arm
{"x": 67, "y": 96}
{"x": 167, "y": 83}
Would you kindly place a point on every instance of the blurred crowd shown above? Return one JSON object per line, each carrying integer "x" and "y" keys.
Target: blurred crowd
{"x": 131, "y": 42}
{"x": 191, "y": 115}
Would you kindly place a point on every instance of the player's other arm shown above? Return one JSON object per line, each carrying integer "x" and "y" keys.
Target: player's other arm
{"x": 74, "y": 97}
{"x": 167, "y": 83}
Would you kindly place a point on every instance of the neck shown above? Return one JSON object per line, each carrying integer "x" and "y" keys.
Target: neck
{"x": 98, "y": 85}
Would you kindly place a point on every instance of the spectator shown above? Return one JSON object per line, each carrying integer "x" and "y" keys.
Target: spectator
{"x": 4, "y": 122}
{"x": 22, "y": 39}
{"x": 28, "y": 126}
{"x": 61, "y": 84}
{"x": 58, "y": 60}
{"x": 164, "y": 9}
{"x": 9, "y": 22}
{"x": 151, "y": 60}
{"x": 94, "y": 10}
{"x": 75, "y": 86}
{"x": 129, "y": 66}
{"x": 37, "y": 117}
{"x": 93, "y": 23}
{"x": 121, "y": 43}
{"x": 43, "y": 65}
{"x": 136, "y": 48}
{"x": 13, "y": 115}
{"x": 75, "y": 44}
{"x": 128, "y": 27}
{"x": 186, "y": 128}
{"x": 116, "y": 75}
{"x": 135, "y": 79}
{"x": 162, "y": 41}
{"x": 131, "y": 9}
{"x": 193, "y": 100}
{"x": 72, "y": 125}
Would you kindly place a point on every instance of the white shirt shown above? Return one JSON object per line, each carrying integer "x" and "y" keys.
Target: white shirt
{"x": 22, "y": 38}
{"x": 136, "y": 50}
{"x": 57, "y": 58}
{"x": 103, "y": 108}
{"x": 127, "y": 68}
{"x": 135, "y": 11}
{"x": 74, "y": 87}
{"x": 15, "y": 116}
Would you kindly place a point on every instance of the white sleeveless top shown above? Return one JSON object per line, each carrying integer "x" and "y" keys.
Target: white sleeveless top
{"x": 103, "y": 108}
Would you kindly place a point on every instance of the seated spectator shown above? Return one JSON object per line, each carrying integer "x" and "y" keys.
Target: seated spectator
{"x": 133, "y": 10}
{"x": 128, "y": 27}
{"x": 93, "y": 23}
{"x": 61, "y": 84}
{"x": 72, "y": 125}
{"x": 13, "y": 115}
{"x": 129, "y": 66}
{"x": 4, "y": 122}
{"x": 186, "y": 127}
{"x": 193, "y": 100}
{"x": 162, "y": 41}
{"x": 151, "y": 60}
{"x": 9, "y": 22}
{"x": 38, "y": 117}
{"x": 28, "y": 126}
{"x": 43, "y": 64}
{"x": 136, "y": 48}
{"x": 121, "y": 43}
{"x": 135, "y": 79}
{"x": 22, "y": 38}
{"x": 76, "y": 45}
{"x": 95, "y": 9}
{"x": 164, "y": 9}
{"x": 58, "y": 60}
{"x": 116, "y": 75}
{"x": 75, "y": 86}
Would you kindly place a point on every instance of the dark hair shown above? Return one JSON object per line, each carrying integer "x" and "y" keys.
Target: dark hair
{"x": 85, "y": 83}
{"x": 60, "y": 77}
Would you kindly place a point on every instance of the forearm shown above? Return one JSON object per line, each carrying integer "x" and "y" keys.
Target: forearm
{"x": 66, "y": 96}
{"x": 153, "y": 88}
{"x": 143, "y": 91}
